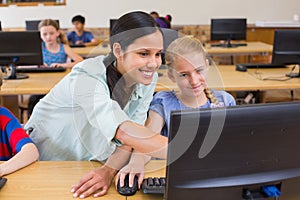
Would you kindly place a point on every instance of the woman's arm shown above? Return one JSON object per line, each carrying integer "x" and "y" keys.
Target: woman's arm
{"x": 142, "y": 139}
{"x": 28, "y": 154}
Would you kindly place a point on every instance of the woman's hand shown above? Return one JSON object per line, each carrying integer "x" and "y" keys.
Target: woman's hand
{"x": 95, "y": 180}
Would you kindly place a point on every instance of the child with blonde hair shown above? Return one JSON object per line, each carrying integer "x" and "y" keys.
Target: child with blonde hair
{"x": 187, "y": 67}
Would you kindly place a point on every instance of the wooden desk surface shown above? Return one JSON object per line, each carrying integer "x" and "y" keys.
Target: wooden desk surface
{"x": 252, "y": 48}
{"x": 225, "y": 77}
{"x": 53, "y": 180}
{"x": 92, "y": 51}
{"x": 37, "y": 83}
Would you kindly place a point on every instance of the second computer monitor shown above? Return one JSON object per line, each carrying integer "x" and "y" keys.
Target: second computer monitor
{"x": 32, "y": 25}
{"x": 228, "y": 29}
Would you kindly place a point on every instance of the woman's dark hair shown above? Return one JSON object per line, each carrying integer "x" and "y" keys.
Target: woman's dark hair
{"x": 125, "y": 31}
{"x": 130, "y": 27}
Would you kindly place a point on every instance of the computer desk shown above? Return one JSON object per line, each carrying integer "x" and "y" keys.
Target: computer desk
{"x": 53, "y": 180}
{"x": 225, "y": 77}
{"x": 92, "y": 51}
{"x": 252, "y": 48}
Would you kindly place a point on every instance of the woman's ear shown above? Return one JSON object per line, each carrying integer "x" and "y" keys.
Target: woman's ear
{"x": 170, "y": 75}
{"x": 207, "y": 62}
{"x": 117, "y": 50}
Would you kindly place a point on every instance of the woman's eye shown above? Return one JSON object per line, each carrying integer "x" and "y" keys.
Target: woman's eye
{"x": 183, "y": 75}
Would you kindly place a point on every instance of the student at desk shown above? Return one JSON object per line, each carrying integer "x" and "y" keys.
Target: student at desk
{"x": 80, "y": 36}
{"x": 16, "y": 148}
{"x": 54, "y": 46}
{"x": 55, "y": 52}
{"x": 102, "y": 104}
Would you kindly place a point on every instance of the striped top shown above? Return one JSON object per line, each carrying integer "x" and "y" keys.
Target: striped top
{"x": 12, "y": 135}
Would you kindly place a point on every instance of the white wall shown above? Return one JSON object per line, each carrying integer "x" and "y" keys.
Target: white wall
{"x": 98, "y": 12}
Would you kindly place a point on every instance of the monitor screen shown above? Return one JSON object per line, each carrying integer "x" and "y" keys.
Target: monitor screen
{"x": 231, "y": 153}
{"x": 228, "y": 29}
{"x": 32, "y": 25}
{"x": 111, "y": 24}
{"x": 13, "y": 54}
{"x": 286, "y": 48}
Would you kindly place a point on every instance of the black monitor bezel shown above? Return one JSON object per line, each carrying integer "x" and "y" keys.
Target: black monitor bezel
{"x": 221, "y": 29}
{"x": 32, "y": 25}
{"x": 20, "y": 48}
{"x": 281, "y": 119}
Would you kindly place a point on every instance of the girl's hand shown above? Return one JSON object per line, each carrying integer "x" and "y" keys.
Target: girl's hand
{"x": 133, "y": 169}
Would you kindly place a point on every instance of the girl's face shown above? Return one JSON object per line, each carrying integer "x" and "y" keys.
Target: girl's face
{"x": 141, "y": 59}
{"x": 190, "y": 72}
{"x": 49, "y": 34}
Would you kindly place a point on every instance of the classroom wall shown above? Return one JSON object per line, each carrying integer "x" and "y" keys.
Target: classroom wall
{"x": 184, "y": 12}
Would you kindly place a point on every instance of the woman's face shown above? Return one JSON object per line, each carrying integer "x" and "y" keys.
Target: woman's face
{"x": 141, "y": 59}
{"x": 189, "y": 72}
{"x": 49, "y": 34}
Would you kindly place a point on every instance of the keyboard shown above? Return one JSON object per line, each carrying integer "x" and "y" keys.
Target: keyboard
{"x": 2, "y": 181}
{"x": 40, "y": 69}
{"x": 77, "y": 45}
{"x": 232, "y": 45}
{"x": 154, "y": 185}
{"x": 262, "y": 65}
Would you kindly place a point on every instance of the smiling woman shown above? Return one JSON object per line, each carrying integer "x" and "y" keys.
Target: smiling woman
{"x": 101, "y": 99}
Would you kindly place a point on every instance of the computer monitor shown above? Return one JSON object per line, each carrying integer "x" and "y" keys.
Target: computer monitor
{"x": 20, "y": 48}
{"x": 232, "y": 153}
{"x": 33, "y": 25}
{"x": 112, "y": 22}
{"x": 228, "y": 29}
{"x": 0, "y": 26}
{"x": 286, "y": 48}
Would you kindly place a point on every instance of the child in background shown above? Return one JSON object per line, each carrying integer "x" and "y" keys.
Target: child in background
{"x": 79, "y": 36}
{"x": 55, "y": 50}
{"x": 187, "y": 67}
{"x": 16, "y": 148}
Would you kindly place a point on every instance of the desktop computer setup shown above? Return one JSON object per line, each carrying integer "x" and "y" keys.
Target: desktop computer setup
{"x": 228, "y": 29}
{"x": 286, "y": 51}
{"x": 28, "y": 55}
{"x": 242, "y": 152}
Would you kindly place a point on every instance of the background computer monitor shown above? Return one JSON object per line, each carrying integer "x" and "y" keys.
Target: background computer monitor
{"x": 228, "y": 29}
{"x": 32, "y": 25}
{"x": 227, "y": 152}
{"x": 286, "y": 48}
{"x": 0, "y": 26}
{"x": 13, "y": 54}
{"x": 111, "y": 24}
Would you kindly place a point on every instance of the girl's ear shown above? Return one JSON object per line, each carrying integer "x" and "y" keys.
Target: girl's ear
{"x": 117, "y": 50}
{"x": 170, "y": 75}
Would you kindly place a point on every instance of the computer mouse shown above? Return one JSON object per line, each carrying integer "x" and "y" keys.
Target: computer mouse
{"x": 126, "y": 190}
{"x": 241, "y": 68}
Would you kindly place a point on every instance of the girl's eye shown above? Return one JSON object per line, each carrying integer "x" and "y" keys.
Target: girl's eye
{"x": 143, "y": 53}
{"x": 183, "y": 75}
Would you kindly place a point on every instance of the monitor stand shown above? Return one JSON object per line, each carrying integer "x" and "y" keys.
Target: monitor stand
{"x": 13, "y": 73}
{"x": 294, "y": 75}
